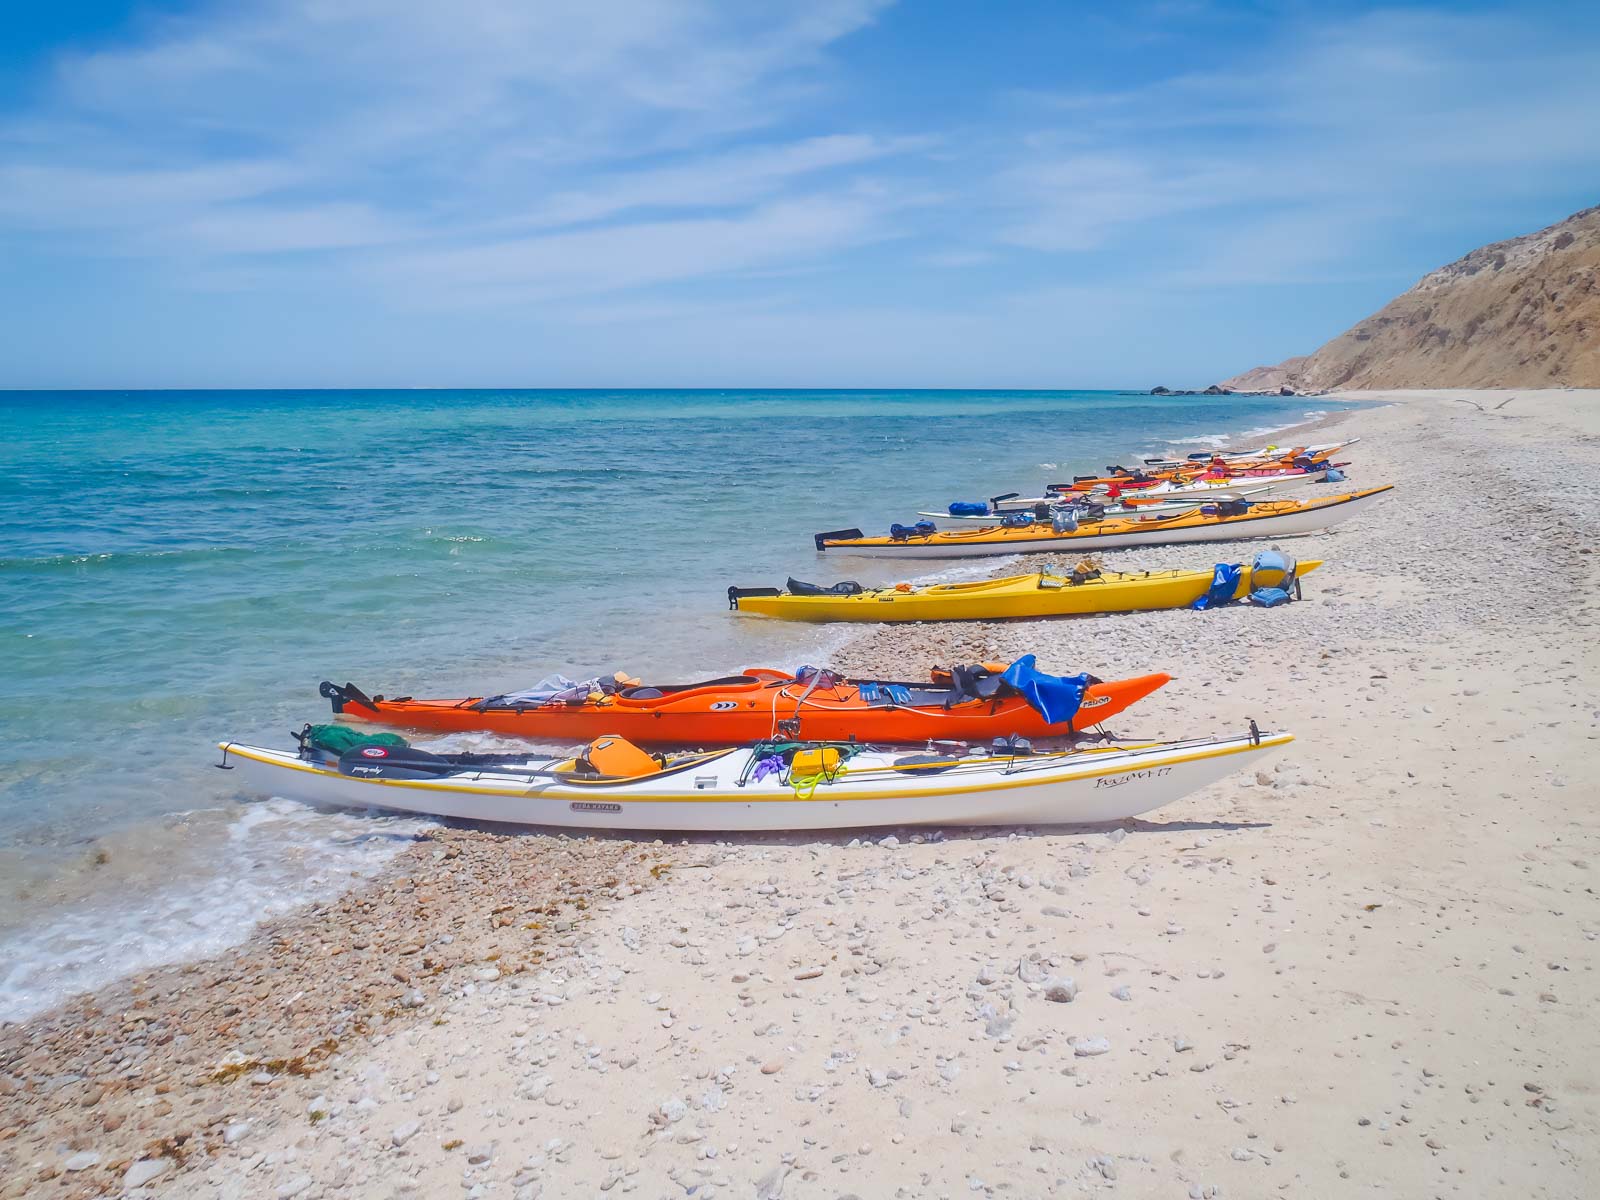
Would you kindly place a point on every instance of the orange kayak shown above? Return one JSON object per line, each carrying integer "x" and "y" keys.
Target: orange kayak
{"x": 760, "y": 703}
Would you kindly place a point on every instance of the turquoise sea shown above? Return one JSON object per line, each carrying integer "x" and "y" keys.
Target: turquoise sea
{"x": 179, "y": 568}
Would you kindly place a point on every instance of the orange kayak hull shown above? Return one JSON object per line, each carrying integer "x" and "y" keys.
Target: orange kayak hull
{"x": 747, "y": 709}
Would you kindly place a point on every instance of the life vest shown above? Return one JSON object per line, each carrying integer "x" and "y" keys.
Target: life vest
{"x": 617, "y": 758}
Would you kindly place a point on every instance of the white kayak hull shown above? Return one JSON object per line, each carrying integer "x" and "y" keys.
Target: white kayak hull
{"x": 1266, "y": 484}
{"x": 1287, "y": 525}
{"x": 1260, "y": 452}
{"x": 1172, "y": 499}
{"x": 1278, "y": 484}
{"x": 1168, "y": 503}
{"x": 1069, "y": 788}
{"x": 1200, "y": 490}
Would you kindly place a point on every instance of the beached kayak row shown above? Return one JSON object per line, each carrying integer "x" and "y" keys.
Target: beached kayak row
{"x": 767, "y": 750}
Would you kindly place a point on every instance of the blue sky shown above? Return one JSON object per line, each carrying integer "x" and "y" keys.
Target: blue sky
{"x": 827, "y": 193}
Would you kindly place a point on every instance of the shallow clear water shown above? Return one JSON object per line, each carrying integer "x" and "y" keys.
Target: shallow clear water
{"x": 181, "y": 568}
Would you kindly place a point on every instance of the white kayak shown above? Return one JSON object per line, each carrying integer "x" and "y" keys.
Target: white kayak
{"x": 1200, "y": 489}
{"x": 1276, "y": 481}
{"x": 719, "y": 792}
{"x": 1115, "y": 509}
{"x": 1204, "y": 456}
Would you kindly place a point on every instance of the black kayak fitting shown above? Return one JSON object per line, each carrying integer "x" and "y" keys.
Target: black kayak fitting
{"x": 734, "y": 593}
{"x": 341, "y": 696}
{"x": 835, "y": 535}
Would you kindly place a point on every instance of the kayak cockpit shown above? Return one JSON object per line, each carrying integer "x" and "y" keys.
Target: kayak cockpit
{"x": 679, "y": 691}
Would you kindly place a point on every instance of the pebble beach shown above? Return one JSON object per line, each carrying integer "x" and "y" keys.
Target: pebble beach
{"x": 1366, "y": 969}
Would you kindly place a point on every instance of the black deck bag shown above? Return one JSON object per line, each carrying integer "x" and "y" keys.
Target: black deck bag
{"x": 799, "y": 587}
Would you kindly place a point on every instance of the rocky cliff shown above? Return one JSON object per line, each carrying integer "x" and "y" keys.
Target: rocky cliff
{"x": 1520, "y": 313}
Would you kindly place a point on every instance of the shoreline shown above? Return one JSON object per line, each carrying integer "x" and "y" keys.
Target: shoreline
{"x": 456, "y": 903}
{"x": 88, "y": 910}
{"x": 1241, "y": 925}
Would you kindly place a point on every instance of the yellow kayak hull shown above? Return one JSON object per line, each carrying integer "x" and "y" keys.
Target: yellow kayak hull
{"x": 1036, "y": 595}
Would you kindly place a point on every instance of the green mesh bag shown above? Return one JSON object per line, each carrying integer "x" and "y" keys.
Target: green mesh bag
{"x": 338, "y": 739}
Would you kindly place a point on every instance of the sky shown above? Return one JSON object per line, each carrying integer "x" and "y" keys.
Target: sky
{"x": 829, "y": 193}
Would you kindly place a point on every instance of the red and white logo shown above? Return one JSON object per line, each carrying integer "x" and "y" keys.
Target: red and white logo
{"x": 374, "y": 752}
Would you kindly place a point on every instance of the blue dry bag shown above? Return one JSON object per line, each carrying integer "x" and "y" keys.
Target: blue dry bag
{"x": 1224, "y": 582}
{"x": 1054, "y": 697}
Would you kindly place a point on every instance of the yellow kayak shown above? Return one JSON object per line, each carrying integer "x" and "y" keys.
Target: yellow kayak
{"x": 1036, "y": 595}
{"x": 1226, "y": 521}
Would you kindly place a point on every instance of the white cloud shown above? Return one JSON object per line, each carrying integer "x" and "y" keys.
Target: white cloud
{"x": 714, "y": 181}
{"x": 87, "y": 197}
{"x": 956, "y": 258}
{"x": 1078, "y": 200}
{"x": 571, "y": 160}
{"x": 643, "y": 254}
{"x": 324, "y": 125}
{"x": 375, "y": 75}
{"x": 1285, "y": 163}
{"x": 261, "y": 229}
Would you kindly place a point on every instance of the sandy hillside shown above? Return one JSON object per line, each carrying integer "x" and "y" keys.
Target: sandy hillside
{"x": 1518, "y": 313}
